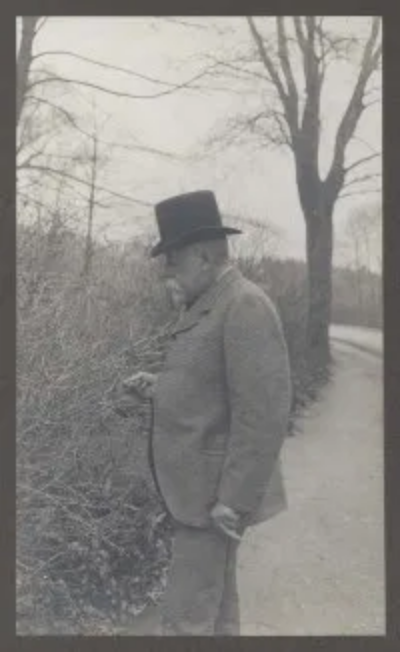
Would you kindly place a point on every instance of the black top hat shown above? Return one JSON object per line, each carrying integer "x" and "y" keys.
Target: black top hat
{"x": 189, "y": 218}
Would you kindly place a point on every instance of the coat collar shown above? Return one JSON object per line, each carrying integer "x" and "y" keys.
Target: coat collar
{"x": 206, "y": 301}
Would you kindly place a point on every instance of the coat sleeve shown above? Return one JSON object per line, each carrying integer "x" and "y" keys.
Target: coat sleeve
{"x": 259, "y": 395}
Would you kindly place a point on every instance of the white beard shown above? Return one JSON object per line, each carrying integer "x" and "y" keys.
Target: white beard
{"x": 175, "y": 293}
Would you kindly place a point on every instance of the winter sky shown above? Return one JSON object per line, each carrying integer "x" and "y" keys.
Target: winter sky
{"x": 249, "y": 181}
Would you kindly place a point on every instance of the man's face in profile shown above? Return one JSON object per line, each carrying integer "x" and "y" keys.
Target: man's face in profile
{"x": 184, "y": 274}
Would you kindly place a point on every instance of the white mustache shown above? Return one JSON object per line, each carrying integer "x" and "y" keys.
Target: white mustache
{"x": 175, "y": 292}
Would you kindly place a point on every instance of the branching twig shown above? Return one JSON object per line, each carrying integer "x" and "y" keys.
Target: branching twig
{"x": 366, "y": 177}
{"x": 107, "y": 66}
{"x": 41, "y": 25}
{"x": 355, "y": 107}
{"x": 283, "y": 51}
{"x": 360, "y": 161}
{"x": 73, "y": 122}
{"x": 110, "y": 91}
{"x": 370, "y": 191}
{"x": 49, "y": 170}
{"x": 266, "y": 59}
{"x": 184, "y": 23}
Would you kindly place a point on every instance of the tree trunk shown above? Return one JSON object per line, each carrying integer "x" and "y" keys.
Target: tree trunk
{"x": 319, "y": 260}
{"x": 24, "y": 60}
{"x": 89, "y": 234}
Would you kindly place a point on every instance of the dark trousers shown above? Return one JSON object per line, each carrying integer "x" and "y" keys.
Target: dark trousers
{"x": 201, "y": 597}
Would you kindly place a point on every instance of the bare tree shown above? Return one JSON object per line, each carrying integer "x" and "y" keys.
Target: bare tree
{"x": 96, "y": 160}
{"x": 41, "y": 116}
{"x": 92, "y": 197}
{"x": 290, "y": 116}
{"x": 24, "y": 61}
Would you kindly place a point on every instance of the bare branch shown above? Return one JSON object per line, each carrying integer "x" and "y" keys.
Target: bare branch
{"x": 267, "y": 61}
{"x": 142, "y": 148}
{"x": 24, "y": 60}
{"x": 310, "y": 26}
{"x": 284, "y": 139}
{"x": 28, "y": 139}
{"x": 34, "y": 155}
{"x": 263, "y": 128}
{"x": 289, "y": 102}
{"x": 107, "y": 66}
{"x": 72, "y": 121}
{"x": 71, "y": 185}
{"x": 66, "y": 114}
{"x": 362, "y": 160}
{"x": 91, "y": 208}
{"x": 67, "y": 175}
{"x": 360, "y": 140}
{"x": 322, "y": 57}
{"x": 363, "y": 179}
{"x": 283, "y": 50}
{"x": 23, "y": 130}
{"x": 357, "y": 193}
{"x": 185, "y": 23}
{"x": 307, "y": 152}
{"x": 354, "y": 109}
{"x": 372, "y": 89}
{"x": 236, "y": 68}
{"x": 42, "y": 24}
{"x": 37, "y": 202}
{"x": 79, "y": 82}
{"x": 213, "y": 88}
{"x": 28, "y": 184}
{"x": 301, "y": 39}
{"x": 372, "y": 102}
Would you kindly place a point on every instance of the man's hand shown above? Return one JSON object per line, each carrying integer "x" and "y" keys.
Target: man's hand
{"x": 141, "y": 384}
{"x": 226, "y": 520}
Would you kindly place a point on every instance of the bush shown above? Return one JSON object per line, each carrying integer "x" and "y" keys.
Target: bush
{"x": 92, "y": 538}
{"x": 86, "y": 508}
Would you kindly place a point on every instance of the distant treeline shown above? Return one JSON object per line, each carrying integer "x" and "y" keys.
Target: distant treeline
{"x": 356, "y": 296}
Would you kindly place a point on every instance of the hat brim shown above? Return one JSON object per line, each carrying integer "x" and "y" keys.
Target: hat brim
{"x": 197, "y": 235}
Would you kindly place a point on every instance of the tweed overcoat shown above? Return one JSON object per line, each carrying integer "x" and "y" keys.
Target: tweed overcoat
{"x": 221, "y": 406}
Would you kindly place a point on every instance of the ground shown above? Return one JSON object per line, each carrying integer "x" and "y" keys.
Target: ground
{"x": 318, "y": 568}
{"x": 367, "y": 339}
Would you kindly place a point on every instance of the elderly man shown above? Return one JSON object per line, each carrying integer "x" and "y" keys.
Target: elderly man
{"x": 220, "y": 415}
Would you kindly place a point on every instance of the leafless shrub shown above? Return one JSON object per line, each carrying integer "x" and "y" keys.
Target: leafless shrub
{"x": 87, "y": 513}
{"x": 93, "y": 542}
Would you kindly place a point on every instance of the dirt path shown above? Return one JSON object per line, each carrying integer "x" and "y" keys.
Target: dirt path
{"x": 368, "y": 339}
{"x": 318, "y": 569}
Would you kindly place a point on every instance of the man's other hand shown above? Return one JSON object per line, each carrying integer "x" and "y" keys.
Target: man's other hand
{"x": 226, "y": 520}
{"x": 141, "y": 383}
